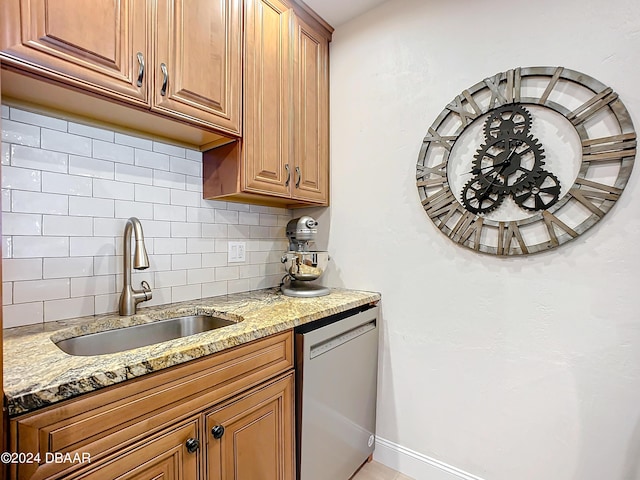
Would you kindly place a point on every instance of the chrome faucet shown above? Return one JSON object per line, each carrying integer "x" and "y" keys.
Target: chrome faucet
{"x": 129, "y": 298}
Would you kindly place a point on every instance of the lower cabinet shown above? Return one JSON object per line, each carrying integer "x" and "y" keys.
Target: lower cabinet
{"x": 229, "y": 416}
{"x": 251, "y": 438}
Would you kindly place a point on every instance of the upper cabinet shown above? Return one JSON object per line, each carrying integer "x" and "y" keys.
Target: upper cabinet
{"x": 283, "y": 156}
{"x": 183, "y": 63}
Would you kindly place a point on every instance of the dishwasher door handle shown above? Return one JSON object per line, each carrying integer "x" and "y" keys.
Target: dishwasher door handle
{"x": 340, "y": 339}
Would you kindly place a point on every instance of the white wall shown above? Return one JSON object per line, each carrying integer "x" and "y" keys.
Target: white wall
{"x": 503, "y": 368}
{"x": 67, "y": 191}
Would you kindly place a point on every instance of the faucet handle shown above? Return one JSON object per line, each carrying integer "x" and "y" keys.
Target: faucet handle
{"x": 146, "y": 289}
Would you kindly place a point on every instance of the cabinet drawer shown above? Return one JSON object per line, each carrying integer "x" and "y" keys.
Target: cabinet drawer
{"x": 102, "y": 422}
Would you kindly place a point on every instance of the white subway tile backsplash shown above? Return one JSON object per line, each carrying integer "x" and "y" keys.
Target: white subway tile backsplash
{"x": 170, "y": 279}
{"x": 126, "y": 209}
{"x": 14, "y": 269}
{"x": 172, "y": 213}
{"x": 7, "y": 293}
{"x": 5, "y": 111}
{"x": 35, "y": 202}
{"x": 133, "y": 174}
{"x": 68, "y": 267}
{"x": 226, "y": 216}
{"x": 99, "y": 285}
{"x": 34, "y": 247}
{"x": 59, "y": 309}
{"x": 36, "y": 290}
{"x": 185, "y": 198}
{"x": 60, "y": 226}
{"x": 227, "y": 273}
{"x": 22, "y": 314}
{"x": 20, "y": 133}
{"x": 21, "y": 179}
{"x": 5, "y": 159}
{"x": 169, "y": 149}
{"x": 187, "y": 167}
{"x": 28, "y": 157}
{"x": 169, "y": 180}
{"x": 200, "y": 245}
{"x": 170, "y": 246}
{"x": 108, "y": 303}
{"x": 145, "y": 158}
{"x": 144, "y": 193}
{"x": 186, "y": 261}
{"x": 200, "y": 275}
{"x": 89, "y": 131}
{"x": 65, "y": 142}
{"x": 112, "y": 189}
{"x": 213, "y": 289}
{"x": 132, "y": 141}
{"x": 108, "y": 227}
{"x": 66, "y": 184}
{"x": 113, "y": 152}
{"x": 185, "y": 229}
{"x": 90, "y": 167}
{"x": 37, "y": 119}
{"x": 90, "y": 207}
{"x": 68, "y": 189}
{"x": 91, "y": 246}
{"x": 186, "y": 292}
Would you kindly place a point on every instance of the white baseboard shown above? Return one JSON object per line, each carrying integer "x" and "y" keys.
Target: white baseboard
{"x": 416, "y": 465}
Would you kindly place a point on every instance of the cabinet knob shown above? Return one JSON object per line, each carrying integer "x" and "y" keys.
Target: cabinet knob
{"x": 165, "y": 79}
{"x": 299, "y": 175}
{"x": 141, "y": 69}
{"x": 286, "y": 182}
{"x": 217, "y": 431}
{"x": 192, "y": 445}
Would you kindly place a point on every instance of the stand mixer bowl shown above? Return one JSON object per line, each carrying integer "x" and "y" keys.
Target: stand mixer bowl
{"x": 305, "y": 266}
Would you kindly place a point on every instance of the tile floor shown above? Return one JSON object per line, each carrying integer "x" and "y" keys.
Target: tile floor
{"x": 378, "y": 471}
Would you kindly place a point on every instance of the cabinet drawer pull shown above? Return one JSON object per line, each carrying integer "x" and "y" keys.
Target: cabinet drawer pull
{"x": 141, "y": 68}
{"x": 286, "y": 182}
{"x": 192, "y": 445}
{"x": 217, "y": 431}
{"x": 299, "y": 177}
{"x": 165, "y": 81}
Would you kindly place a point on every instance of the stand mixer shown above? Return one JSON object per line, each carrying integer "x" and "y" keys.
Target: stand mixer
{"x": 303, "y": 265}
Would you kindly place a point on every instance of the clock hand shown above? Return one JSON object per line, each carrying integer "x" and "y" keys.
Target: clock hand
{"x": 507, "y": 160}
{"x": 484, "y": 195}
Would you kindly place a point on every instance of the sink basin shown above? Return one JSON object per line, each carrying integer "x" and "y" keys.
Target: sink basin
{"x": 127, "y": 338}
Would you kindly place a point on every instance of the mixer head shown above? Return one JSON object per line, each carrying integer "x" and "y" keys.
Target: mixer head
{"x": 301, "y": 231}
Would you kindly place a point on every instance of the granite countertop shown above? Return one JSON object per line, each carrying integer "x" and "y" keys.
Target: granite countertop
{"x": 37, "y": 373}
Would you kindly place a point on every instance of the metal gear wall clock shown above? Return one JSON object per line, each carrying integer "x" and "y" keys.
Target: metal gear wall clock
{"x": 526, "y": 160}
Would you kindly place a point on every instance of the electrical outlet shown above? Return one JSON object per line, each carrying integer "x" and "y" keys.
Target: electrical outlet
{"x": 237, "y": 252}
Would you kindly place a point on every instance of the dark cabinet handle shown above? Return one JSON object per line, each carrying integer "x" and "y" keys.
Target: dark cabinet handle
{"x": 286, "y": 167}
{"x": 192, "y": 445}
{"x": 217, "y": 431}
{"x": 299, "y": 177}
{"x": 165, "y": 81}
{"x": 141, "y": 69}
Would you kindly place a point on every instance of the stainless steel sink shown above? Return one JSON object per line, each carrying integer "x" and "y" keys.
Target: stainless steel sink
{"x": 127, "y": 338}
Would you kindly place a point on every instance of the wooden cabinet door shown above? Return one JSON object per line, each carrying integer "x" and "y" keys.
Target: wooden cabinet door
{"x": 163, "y": 457}
{"x": 267, "y": 98}
{"x": 257, "y": 442}
{"x": 92, "y": 45}
{"x": 199, "y": 43}
{"x": 311, "y": 107}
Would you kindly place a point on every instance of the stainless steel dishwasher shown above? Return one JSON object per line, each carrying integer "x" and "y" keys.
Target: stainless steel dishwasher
{"x": 336, "y": 383}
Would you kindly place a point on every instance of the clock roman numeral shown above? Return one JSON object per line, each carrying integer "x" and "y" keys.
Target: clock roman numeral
{"x": 550, "y": 221}
{"x": 439, "y": 171}
{"x": 598, "y": 191}
{"x": 497, "y": 98}
{"x": 468, "y": 224}
{"x": 444, "y": 141}
{"x": 514, "y": 85}
{"x": 592, "y": 106}
{"x": 551, "y": 85}
{"x": 466, "y": 117}
{"x": 611, "y": 148}
{"x": 506, "y": 236}
{"x": 442, "y": 203}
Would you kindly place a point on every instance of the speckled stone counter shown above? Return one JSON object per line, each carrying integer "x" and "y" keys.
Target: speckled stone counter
{"x": 37, "y": 373}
